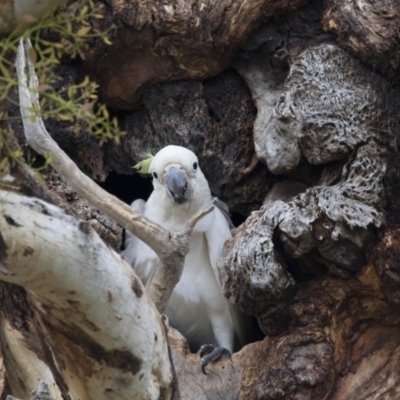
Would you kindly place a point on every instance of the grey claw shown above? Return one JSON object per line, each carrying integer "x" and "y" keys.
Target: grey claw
{"x": 215, "y": 354}
{"x": 206, "y": 349}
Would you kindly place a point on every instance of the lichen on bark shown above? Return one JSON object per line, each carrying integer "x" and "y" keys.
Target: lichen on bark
{"x": 329, "y": 111}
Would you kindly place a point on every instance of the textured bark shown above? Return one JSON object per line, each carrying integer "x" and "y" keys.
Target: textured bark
{"x": 341, "y": 333}
{"x": 87, "y": 301}
{"x": 327, "y": 109}
{"x": 369, "y": 30}
{"x": 42, "y": 393}
{"x": 179, "y": 40}
{"x": 328, "y": 125}
{"x": 223, "y": 380}
{"x": 22, "y": 350}
{"x": 385, "y": 258}
{"x": 107, "y": 229}
{"x": 342, "y": 342}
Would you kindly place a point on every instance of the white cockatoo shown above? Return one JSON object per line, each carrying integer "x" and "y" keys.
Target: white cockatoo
{"x": 197, "y": 307}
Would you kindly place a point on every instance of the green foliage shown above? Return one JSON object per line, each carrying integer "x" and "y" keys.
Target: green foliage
{"x": 7, "y": 154}
{"x": 10, "y": 156}
{"x": 72, "y": 29}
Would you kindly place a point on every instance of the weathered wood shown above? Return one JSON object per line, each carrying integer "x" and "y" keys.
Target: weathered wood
{"x": 105, "y": 334}
{"x": 353, "y": 130}
{"x": 342, "y": 342}
{"x": 182, "y": 39}
{"x": 341, "y": 336}
{"x": 107, "y": 229}
{"x": 369, "y": 30}
{"x": 23, "y": 355}
{"x": 341, "y": 333}
{"x": 41, "y": 393}
{"x": 385, "y": 258}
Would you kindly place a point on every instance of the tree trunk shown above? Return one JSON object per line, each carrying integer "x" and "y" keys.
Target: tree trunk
{"x": 105, "y": 335}
{"x": 299, "y": 136}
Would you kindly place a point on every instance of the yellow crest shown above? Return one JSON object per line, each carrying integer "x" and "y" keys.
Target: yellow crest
{"x": 143, "y": 166}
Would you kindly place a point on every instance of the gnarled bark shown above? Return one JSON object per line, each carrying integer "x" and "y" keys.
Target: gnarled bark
{"x": 179, "y": 40}
{"x": 369, "y": 30}
{"x": 25, "y": 368}
{"x": 352, "y": 129}
{"x": 106, "y": 336}
{"x": 107, "y": 229}
{"x": 342, "y": 342}
{"x": 42, "y": 393}
{"x": 340, "y": 337}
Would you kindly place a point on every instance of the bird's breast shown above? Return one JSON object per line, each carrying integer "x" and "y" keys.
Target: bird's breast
{"x": 196, "y": 295}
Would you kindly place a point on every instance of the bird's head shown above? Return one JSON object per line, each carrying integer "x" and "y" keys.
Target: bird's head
{"x": 175, "y": 170}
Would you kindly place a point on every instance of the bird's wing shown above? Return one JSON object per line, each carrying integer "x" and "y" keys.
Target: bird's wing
{"x": 142, "y": 258}
{"x": 223, "y": 207}
{"x": 216, "y": 236}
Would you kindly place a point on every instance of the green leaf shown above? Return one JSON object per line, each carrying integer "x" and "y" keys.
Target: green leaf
{"x": 65, "y": 117}
{"x": 17, "y": 153}
{"x": 84, "y": 31}
{"x": 3, "y": 164}
{"x": 106, "y": 40}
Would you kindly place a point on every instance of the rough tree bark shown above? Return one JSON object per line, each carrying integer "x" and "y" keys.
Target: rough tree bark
{"x": 92, "y": 311}
{"x": 316, "y": 263}
{"x": 179, "y": 40}
{"x": 368, "y": 31}
{"x": 353, "y": 127}
{"x": 148, "y": 375}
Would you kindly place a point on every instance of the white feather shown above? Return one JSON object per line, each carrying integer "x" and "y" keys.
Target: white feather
{"x": 197, "y": 307}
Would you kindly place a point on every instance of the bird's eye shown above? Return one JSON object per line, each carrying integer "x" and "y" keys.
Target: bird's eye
{"x": 155, "y": 175}
{"x": 195, "y": 165}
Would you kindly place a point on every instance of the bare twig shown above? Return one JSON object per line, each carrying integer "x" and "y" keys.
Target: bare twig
{"x": 197, "y": 217}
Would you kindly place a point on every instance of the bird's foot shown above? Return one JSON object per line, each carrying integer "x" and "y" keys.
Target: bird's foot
{"x": 210, "y": 353}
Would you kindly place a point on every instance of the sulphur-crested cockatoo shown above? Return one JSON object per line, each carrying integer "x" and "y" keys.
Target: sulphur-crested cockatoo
{"x": 197, "y": 307}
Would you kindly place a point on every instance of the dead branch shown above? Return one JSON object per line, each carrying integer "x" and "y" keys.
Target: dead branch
{"x": 106, "y": 336}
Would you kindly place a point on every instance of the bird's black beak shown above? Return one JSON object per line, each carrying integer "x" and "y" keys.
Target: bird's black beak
{"x": 178, "y": 185}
